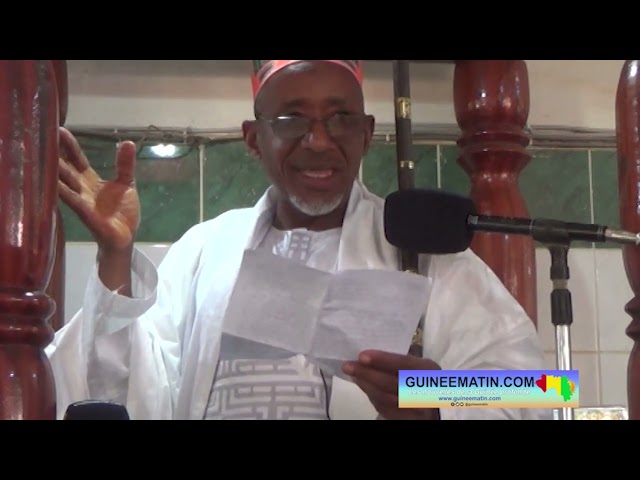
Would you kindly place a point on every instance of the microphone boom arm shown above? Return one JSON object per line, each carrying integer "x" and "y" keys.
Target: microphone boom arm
{"x": 547, "y": 231}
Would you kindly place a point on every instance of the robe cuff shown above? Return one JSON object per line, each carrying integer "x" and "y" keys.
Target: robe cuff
{"x": 113, "y": 311}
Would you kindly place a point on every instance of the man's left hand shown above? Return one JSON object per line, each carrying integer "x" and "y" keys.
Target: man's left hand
{"x": 376, "y": 373}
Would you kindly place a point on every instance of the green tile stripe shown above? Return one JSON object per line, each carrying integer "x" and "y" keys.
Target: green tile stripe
{"x": 380, "y": 168}
{"x": 232, "y": 179}
{"x": 555, "y": 184}
{"x": 606, "y": 202}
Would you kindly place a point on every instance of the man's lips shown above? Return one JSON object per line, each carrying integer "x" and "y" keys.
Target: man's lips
{"x": 323, "y": 174}
{"x": 324, "y": 178}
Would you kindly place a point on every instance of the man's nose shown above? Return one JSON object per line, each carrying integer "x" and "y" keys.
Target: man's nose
{"x": 318, "y": 138}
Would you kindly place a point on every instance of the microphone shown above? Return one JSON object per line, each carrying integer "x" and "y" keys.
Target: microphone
{"x": 437, "y": 222}
{"x": 96, "y": 410}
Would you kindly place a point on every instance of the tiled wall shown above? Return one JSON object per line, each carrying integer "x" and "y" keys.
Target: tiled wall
{"x": 576, "y": 185}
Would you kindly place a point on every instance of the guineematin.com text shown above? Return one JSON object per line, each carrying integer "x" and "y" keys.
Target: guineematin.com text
{"x": 449, "y": 382}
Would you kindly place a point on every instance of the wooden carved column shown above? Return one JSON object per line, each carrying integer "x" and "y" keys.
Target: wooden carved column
{"x": 29, "y": 125}
{"x": 628, "y": 143}
{"x": 491, "y": 99}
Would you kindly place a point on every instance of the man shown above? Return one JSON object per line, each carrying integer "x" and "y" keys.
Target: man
{"x": 153, "y": 339}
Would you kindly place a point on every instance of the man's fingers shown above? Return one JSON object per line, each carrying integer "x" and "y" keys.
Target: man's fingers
{"x": 73, "y": 200}
{"x": 393, "y": 362}
{"x": 381, "y": 387}
{"x": 126, "y": 163}
{"x": 381, "y": 400}
{"x": 76, "y": 203}
{"x": 68, "y": 177}
{"x": 386, "y": 404}
{"x": 71, "y": 151}
{"x": 381, "y": 380}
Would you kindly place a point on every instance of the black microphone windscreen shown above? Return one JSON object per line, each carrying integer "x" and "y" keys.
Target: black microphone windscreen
{"x": 96, "y": 410}
{"x": 428, "y": 221}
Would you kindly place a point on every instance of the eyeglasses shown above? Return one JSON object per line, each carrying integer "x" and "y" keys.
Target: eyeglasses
{"x": 339, "y": 125}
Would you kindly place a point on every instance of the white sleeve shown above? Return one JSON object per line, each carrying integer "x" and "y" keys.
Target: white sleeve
{"x": 128, "y": 349}
{"x": 474, "y": 323}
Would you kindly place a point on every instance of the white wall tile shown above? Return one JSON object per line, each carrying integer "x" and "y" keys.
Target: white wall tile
{"x": 613, "y": 379}
{"x": 155, "y": 251}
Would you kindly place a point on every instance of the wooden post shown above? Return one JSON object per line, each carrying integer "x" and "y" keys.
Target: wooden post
{"x": 29, "y": 122}
{"x": 628, "y": 143}
{"x": 491, "y": 99}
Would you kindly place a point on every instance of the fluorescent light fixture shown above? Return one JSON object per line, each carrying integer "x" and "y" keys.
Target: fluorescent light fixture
{"x": 164, "y": 150}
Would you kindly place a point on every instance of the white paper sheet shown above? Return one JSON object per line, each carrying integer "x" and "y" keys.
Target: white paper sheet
{"x": 330, "y": 318}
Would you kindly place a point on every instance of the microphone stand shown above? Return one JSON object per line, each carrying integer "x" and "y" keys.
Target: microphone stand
{"x": 558, "y": 242}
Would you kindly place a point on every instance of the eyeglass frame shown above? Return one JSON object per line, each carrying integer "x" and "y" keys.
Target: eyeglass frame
{"x": 309, "y": 121}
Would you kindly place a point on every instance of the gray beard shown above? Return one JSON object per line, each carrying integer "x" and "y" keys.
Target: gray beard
{"x": 315, "y": 209}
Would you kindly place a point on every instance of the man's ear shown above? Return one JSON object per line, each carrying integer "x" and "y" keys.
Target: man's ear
{"x": 250, "y": 135}
{"x": 371, "y": 126}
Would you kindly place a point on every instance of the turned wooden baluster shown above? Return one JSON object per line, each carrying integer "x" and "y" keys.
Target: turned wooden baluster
{"x": 28, "y": 195}
{"x": 628, "y": 143}
{"x": 56, "y": 287}
{"x": 491, "y": 99}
